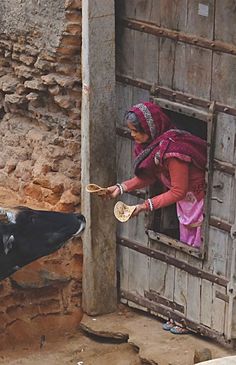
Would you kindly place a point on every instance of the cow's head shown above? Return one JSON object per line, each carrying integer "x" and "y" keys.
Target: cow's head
{"x": 27, "y": 234}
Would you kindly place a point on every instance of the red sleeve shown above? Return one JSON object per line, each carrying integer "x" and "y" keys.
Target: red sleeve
{"x": 137, "y": 183}
{"x": 179, "y": 178}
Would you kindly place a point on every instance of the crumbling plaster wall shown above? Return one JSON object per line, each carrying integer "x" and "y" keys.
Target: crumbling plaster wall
{"x": 40, "y": 103}
{"x": 45, "y": 17}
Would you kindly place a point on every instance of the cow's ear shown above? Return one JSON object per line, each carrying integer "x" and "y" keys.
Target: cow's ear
{"x": 8, "y": 240}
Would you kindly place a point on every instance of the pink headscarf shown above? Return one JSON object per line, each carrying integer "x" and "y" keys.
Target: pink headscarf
{"x": 166, "y": 141}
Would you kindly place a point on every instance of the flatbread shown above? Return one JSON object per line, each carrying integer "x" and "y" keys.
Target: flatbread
{"x": 123, "y": 212}
{"x": 96, "y": 189}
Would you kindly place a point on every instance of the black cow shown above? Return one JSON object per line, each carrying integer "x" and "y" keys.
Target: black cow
{"x": 27, "y": 234}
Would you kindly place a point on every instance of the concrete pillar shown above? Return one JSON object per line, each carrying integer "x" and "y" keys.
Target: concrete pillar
{"x": 98, "y": 155}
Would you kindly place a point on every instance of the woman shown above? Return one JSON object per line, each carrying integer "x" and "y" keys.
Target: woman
{"x": 176, "y": 158}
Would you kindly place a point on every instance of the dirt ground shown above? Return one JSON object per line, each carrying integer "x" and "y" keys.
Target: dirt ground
{"x": 147, "y": 344}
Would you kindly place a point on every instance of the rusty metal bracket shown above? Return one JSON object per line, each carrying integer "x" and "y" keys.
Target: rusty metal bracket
{"x": 145, "y": 27}
{"x": 162, "y": 256}
{"x": 217, "y": 199}
{"x": 174, "y": 95}
{"x": 233, "y": 232}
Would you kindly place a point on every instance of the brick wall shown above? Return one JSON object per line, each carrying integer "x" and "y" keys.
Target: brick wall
{"x": 40, "y": 103}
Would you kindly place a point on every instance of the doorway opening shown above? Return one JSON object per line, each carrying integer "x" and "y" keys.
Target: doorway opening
{"x": 164, "y": 223}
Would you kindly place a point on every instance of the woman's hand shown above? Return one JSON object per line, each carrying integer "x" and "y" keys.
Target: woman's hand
{"x": 139, "y": 208}
{"x": 112, "y": 192}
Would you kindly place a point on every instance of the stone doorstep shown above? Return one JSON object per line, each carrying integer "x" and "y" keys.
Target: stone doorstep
{"x": 146, "y": 336}
{"x": 229, "y": 360}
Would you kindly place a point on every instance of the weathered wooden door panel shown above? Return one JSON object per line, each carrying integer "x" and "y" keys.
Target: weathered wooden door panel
{"x": 194, "y": 293}
{"x": 222, "y": 194}
{"x": 225, "y": 147}
{"x": 157, "y": 278}
{"x": 140, "y": 9}
{"x": 124, "y": 94}
{"x": 200, "y": 18}
{"x": 181, "y": 285}
{"x": 146, "y": 48}
{"x": 173, "y": 14}
{"x": 234, "y": 320}
{"x": 125, "y": 52}
{"x": 166, "y": 62}
{"x": 192, "y": 72}
{"x": 206, "y": 303}
{"x": 161, "y": 277}
{"x": 140, "y": 95}
{"x": 223, "y": 84}
{"x": 217, "y": 251}
{"x": 225, "y": 14}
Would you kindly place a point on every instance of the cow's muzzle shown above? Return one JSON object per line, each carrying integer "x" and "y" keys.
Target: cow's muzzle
{"x": 82, "y": 222}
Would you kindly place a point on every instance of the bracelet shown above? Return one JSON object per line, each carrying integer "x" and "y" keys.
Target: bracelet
{"x": 120, "y": 188}
{"x": 150, "y": 203}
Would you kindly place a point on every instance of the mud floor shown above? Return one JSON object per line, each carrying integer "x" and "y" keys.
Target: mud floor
{"x": 147, "y": 344}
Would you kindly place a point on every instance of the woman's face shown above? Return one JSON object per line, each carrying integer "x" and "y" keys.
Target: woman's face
{"x": 139, "y": 137}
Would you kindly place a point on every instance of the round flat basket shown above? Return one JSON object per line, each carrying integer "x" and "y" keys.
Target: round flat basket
{"x": 123, "y": 212}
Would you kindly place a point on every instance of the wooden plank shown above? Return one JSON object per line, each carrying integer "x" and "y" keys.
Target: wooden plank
{"x": 148, "y": 10}
{"x": 200, "y": 18}
{"x": 217, "y": 252}
{"x": 146, "y": 57}
{"x": 206, "y": 303}
{"x": 192, "y": 73}
{"x": 123, "y": 101}
{"x": 230, "y": 328}
{"x": 216, "y": 46}
{"x": 226, "y": 141}
{"x": 125, "y": 51}
{"x": 221, "y": 196}
{"x": 123, "y": 267}
{"x": 224, "y": 66}
{"x": 124, "y": 170}
{"x": 97, "y": 130}
{"x": 153, "y": 295}
{"x": 138, "y": 264}
{"x": 166, "y": 69}
{"x": 124, "y": 148}
{"x": 216, "y": 263}
{"x": 181, "y": 283}
{"x": 174, "y": 243}
{"x": 171, "y": 94}
{"x": 218, "y": 310}
{"x": 161, "y": 277}
{"x": 173, "y": 14}
{"x": 225, "y": 14}
{"x": 135, "y": 226}
{"x": 193, "y": 269}
{"x": 233, "y": 329}
{"x": 181, "y": 108}
{"x": 194, "y": 293}
{"x": 132, "y": 266}
{"x": 140, "y": 95}
{"x": 138, "y": 273}
{"x": 124, "y": 159}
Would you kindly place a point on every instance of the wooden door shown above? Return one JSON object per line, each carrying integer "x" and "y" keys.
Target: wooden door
{"x": 178, "y": 58}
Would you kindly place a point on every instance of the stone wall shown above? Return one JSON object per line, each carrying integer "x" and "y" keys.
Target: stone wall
{"x": 40, "y": 103}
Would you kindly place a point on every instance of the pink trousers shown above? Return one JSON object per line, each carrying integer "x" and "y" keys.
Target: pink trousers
{"x": 190, "y": 215}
